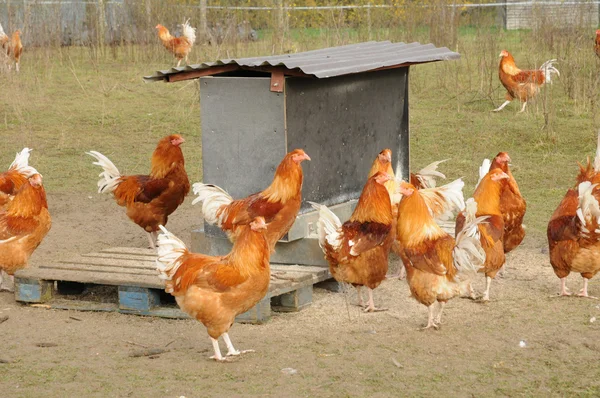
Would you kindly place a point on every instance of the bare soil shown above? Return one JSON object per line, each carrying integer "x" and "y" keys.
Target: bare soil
{"x": 524, "y": 342}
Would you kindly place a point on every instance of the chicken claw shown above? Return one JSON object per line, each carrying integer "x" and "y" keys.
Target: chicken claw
{"x": 583, "y": 292}
{"x": 231, "y": 351}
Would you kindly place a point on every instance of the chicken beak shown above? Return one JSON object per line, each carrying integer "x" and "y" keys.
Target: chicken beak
{"x": 306, "y": 157}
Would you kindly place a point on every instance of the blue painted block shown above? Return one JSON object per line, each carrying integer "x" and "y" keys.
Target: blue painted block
{"x": 32, "y": 290}
{"x": 260, "y": 313}
{"x": 138, "y": 299}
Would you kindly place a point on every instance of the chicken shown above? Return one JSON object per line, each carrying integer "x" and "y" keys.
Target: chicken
{"x": 149, "y": 199}
{"x": 438, "y": 267}
{"x": 278, "y": 204}
{"x": 179, "y": 46}
{"x": 597, "y": 43}
{"x": 17, "y": 174}
{"x": 12, "y": 46}
{"x": 214, "y": 290}
{"x": 23, "y": 225}
{"x": 574, "y": 236}
{"x": 512, "y": 203}
{"x": 523, "y": 84}
{"x": 357, "y": 251}
{"x": 491, "y": 234}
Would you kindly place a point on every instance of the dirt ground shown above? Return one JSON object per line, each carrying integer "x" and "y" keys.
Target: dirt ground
{"x": 524, "y": 342}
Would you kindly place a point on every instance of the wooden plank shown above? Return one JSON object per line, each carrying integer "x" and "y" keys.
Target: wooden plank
{"x": 130, "y": 250}
{"x": 138, "y": 299}
{"x": 107, "y": 262}
{"x": 277, "y": 81}
{"x": 32, "y": 290}
{"x": 117, "y": 270}
{"x": 98, "y": 278}
{"x": 135, "y": 257}
{"x": 215, "y": 70}
{"x": 293, "y": 301}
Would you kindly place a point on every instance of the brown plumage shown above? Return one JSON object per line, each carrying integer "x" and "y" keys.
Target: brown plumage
{"x": 574, "y": 241}
{"x": 180, "y": 47}
{"x": 597, "y": 43}
{"x": 357, "y": 251}
{"x": 427, "y": 253}
{"x": 214, "y": 290}
{"x": 149, "y": 199}
{"x": 23, "y": 224}
{"x": 12, "y": 46}
{"x": 278, "y": 204}
{"x": 522, "y": 84}
{"x": 487, "y": 195}
{"x": 17, "y": 174}
{"x": 512, "y": 205}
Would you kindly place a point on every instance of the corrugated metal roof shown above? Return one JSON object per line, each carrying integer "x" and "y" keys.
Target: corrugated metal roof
{"x": 334, "y": 61}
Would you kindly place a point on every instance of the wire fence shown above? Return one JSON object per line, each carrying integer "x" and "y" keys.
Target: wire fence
{"x": 90, "y": 22}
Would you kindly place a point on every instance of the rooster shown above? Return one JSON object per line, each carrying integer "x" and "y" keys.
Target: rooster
{"x": 17, "y": 174}
{"x": 491, "y": 234}
{"x": 574, "y": 236}
{"x": 12, "y": 46}
{"x": 523, "y": 84}
{"x": 149, "y": 199}
{"x": 597, "y": 43}
{"x": 179, "y": 46}
{"x": 23, "y": 224}
{"x": 438, "y": 267}
{"x": 357, "y": 251}
{"x": 512, "y": 203}
{"x": 278, "y": 204}
{"x": 425, "y": 178}
{"x": 214, "y": 290}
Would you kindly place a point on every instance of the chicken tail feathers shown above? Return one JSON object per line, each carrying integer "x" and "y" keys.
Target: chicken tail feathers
{"x": 468, "y": 254}
{"x": 170, "y": 249}
{"x": 444, "y": 202}
{"x": 428, "y": 174}
{"x": 328, "y": 227}
{"x": 188, "y": 32}
{"x": 484, "y": 169}
{"x": 548, "y": 69}
{"x": 21, "y": 163}
{"x": 213, "y": 198}
{"x": 2, "y": 34}
{"x": 110, "y": 177}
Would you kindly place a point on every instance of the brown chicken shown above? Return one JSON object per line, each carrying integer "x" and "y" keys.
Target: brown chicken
{"x": 149, "y": 199}
{"x": 491, "y": 233}
{"x": 437, "y": 265}
{"x": 12, "y": 46}
{"x": 512, "y": 203}
{"x": 214, "y": 290}
{"x": 278, "y": 204}
{"x": 357, "y": 251}
{"x": 574, "y": 236}
{"x": 17, "y": 174}
{"x": 23, "y": 224}
{"x": 597, "y": 43}
{"x": 180, "y": 47}
{"x": 522, "y": 84}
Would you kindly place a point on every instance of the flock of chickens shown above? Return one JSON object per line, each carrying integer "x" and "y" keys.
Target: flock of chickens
{"x": 442, "y": 240}
{"x": 11, "y": 46}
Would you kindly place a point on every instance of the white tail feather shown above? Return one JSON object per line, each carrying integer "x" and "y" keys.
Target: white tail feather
{"x": 170, "y": 248}
{"x": 213, "y": 198}
{"x": 110, "y": 177}
{"x": 428, "y": 173}
{"x": 468, "y": 254}
{"x": 445, "y": 202}
{"x": 548, "y": 69}
{"x": 2, "y": 34}
{"x": 588, "y": 209}
{"x": 188, "y": 32}
{"x": 484, "y": 169}
{"x": 21, "y": 164}
{"x": 328, "y": 226}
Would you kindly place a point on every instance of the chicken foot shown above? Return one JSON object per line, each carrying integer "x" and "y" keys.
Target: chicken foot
{"x": 563, "y": 288}
{"x": 361, "y": 302}
{"x": 371, "y": 304}
{"x": 438, "y": 317}
{"x": 430, "y": 322}
{"x": 217, "y": 356}
{"x": 583, "y": 292}
{"x": 501, "y": 106}
{"x": 523, "y": 107}
{"x": 231, "y": 351}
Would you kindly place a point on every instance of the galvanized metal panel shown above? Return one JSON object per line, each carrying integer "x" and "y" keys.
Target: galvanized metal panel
{"x": 335, "y": 61}
{"x": 243, "y": 134}
{"x": 343, "y": 123}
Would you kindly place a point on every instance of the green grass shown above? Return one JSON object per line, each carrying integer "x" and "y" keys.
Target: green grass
{"x": 70, "y": 100}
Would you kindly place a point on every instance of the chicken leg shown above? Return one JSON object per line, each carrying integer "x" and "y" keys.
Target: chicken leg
{"x": 486, "y": 293}
{"x": 501, "y": 106}
{"x": 438, "y": 318}
{"x": 217, "y": 356}
{"x": 361, "y": 302}
{"x": 583, "y": 292}
{"x": 371, "y": 304}
{"x": 152, "y": 239}
{"x": 563, "y": 287}
{"x": 231, "y": 351}
{"x": 430, "y": 322}
{"x": 523, "y": 107}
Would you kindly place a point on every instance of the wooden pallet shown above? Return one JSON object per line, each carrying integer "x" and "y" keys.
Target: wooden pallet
{"x": 129, "y": 283}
